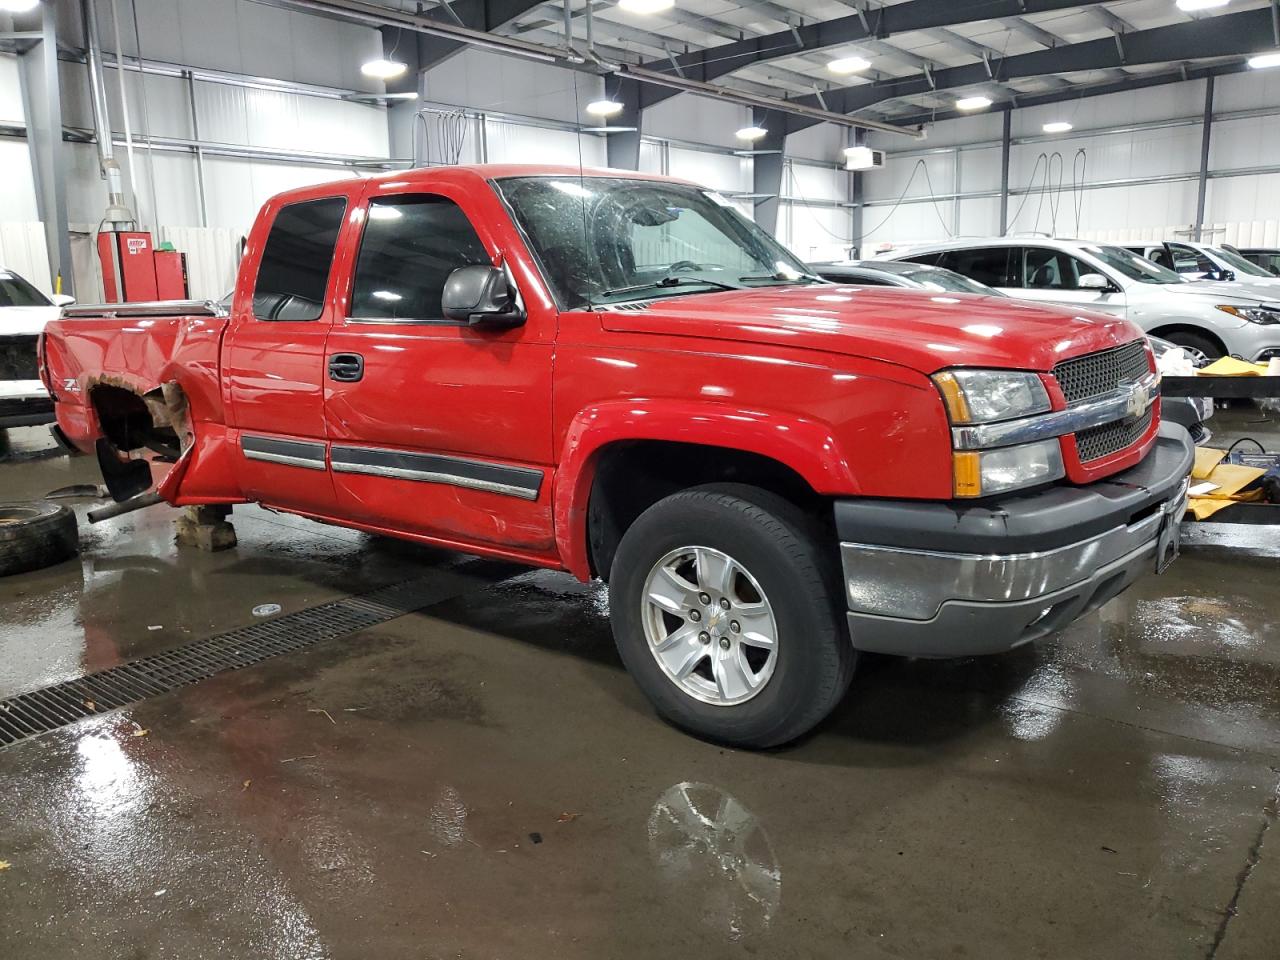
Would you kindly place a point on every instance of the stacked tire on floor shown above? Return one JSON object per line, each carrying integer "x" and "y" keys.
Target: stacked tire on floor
{"x": 35, "y": 535}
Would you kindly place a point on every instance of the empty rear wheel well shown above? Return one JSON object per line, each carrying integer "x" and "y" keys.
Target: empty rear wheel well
{"x": 133, "y": 421}
{"x": 631, "y": 476}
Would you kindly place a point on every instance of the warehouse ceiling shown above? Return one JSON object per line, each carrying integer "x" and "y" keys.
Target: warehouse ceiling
{"x": 921, "y": 55}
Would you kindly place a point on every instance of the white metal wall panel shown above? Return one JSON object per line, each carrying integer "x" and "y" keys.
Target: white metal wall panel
{"x": 698, "y": 120}
{"x": 1241, "y": 200}
{"x": 651, "y": 157}
{"x": 212, "y": 258}
{"x": 822, "y": 141}
{"x": 719, "y": 171}
{"x": 814, "y": 233}
{"x": 18, "y": 198}
{"x": 888, "y": 183}
{"x": 518, "y": 143}
{"x": 22, "y": 249}
{"x": 808, "y": 182}
{"x": 1244, "y": 143}
{"x": 10, "y": 89}
{"x": 236, "y": 188}
{"x": 491, "y": 82}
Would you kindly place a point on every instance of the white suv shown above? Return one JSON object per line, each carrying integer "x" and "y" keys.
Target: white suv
{"x": 24, "y": 311}
{"x": 1206, "y": 318}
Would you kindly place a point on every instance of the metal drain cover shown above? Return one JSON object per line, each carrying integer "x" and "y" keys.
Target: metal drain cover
{"x": 39, "y": 711}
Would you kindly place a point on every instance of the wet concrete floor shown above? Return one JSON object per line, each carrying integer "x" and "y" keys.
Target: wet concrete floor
{"x": 480, "y": 779}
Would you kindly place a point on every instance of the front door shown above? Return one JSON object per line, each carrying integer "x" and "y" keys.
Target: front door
{"x": 1053, "y": 276}
{"x": 274, "y": 357}
{"x": 437, "y": 427}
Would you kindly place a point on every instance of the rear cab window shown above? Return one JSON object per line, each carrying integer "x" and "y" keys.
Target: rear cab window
{"x": 294, "y": 273}
{"x": 989, "y": 265}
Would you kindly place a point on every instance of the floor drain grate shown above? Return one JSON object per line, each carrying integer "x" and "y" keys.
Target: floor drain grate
{"x": 39, "y": 711}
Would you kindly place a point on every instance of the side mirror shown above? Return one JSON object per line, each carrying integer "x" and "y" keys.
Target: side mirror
{"x": 62, "y": 300}
{"x": 1093, "y": 281}
{"x": 482, "y": 296}
{"x": 1226, "y": 275}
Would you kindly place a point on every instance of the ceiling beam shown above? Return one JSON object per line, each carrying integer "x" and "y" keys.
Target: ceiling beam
{"x": 1080, "y": 92}
{"x": 1033, "y": 33}
{"x": 1233, "y": 35}
{"x": 855, "y": 29}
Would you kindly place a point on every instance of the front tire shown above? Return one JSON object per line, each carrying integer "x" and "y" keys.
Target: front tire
{"x": 724, "y": 602}
{"x": 1202, "y": 350}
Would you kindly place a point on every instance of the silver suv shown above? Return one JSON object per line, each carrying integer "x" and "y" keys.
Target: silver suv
{"x": 1206, "y": 318}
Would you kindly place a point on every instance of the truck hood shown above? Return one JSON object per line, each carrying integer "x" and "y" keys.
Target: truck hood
{"x": 16, "y": 321}
{"x": 918, "y": 329}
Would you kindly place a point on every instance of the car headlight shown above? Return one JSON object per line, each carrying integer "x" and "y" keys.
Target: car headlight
{"x": 985, "y": 396}
{"x": 981, "y": 473}
{"x": 1267, "y": 313}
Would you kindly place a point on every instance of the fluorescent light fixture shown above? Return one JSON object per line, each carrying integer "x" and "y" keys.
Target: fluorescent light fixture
{"x": 383, "y": 69}
{"x": 1190, "y": 5}
{"x": 849, "y": 65}
{"x": 645, "y": 6}
{"x": 751, "y": 133}
{"x": 1264, "y": 60}
{"x": 603, "y": 108}
{"x": 973, "y": 103}
{"x": 18, "y": 6}
{"x": 1056, "y": 126}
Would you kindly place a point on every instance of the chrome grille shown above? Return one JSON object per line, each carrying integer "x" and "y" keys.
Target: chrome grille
{"x": 1083, "y": 378}
{"x": 1098, "y": 442}
{"x": 18, "y": 358}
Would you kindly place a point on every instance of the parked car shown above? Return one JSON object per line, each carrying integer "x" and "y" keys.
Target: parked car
{"x": 1190, "y": 412}
{"x": 1268, "y": 258}
{"x": 890, "y": 273}
{"x": 1205, "y": 318}
{"x": 24, "y": 312}
{"x": 1202, "y": 261}
{"x": 622, "y": 377}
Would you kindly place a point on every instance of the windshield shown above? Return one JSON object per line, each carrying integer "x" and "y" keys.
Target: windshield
{"x": 16, "y": 292}
{"x": 1131, "y": 265}
{"x": 607, "y": 240}
{"x": 1239, "y": 264}
{"x": 948, "y": 281}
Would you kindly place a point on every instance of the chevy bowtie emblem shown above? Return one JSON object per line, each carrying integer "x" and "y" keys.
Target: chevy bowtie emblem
{"x": 1137, "y": 404}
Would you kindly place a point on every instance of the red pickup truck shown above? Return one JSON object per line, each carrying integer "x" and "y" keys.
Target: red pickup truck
{"x": 620, "y": 376}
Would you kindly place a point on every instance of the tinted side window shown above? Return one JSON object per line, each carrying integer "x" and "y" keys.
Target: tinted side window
{"x": 411, "y": 244}
{"x": 929, "y": 259}
{"x": 989, "y": 265}
{"x": 1045, "y": 269}
{"x": 295, "y": 262}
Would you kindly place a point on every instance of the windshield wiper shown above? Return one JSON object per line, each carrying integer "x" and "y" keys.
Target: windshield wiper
{"x": 787, "y": 277}
{"x": 668, "y": 282}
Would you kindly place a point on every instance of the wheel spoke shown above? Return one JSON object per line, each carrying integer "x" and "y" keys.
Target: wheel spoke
{"x": 757, "y": 625}
{"x": 672, "y": 592}
{"x": 733, "y": 677}
{"x": 680, "y": 652}
{"x": 715, "y": 572}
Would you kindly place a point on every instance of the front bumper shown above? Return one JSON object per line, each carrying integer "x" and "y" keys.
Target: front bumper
{"x": 927, "y": 579}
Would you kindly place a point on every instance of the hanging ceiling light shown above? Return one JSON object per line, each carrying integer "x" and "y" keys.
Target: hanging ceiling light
{"x": 1264, "y": 60}
{"x": 849, "y": 65}
{"x": 751, "y": 133}
{"x": 645, "y": 6}
{"x": 1056, "y": 126}
{"x": 973, "y": 103}
{"x": 603, "y": 108}
{"x": 18, "y": 6}
{"x": 1189, "y": 5}
{"x": 383, "y": 69}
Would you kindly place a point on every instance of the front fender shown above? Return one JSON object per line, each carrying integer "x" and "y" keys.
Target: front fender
{"x": 806, "y": 446}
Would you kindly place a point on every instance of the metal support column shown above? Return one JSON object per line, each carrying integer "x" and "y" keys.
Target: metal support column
{"x": 42, "y": 103}
{"x": 622, "y": 149}
{"x": 1206, "y": 131}
{"x": 195, "y": 135}
{"x": 1006, "y": 139}
{"x": 857, "y": 138}
{"x": 766, "y": 170}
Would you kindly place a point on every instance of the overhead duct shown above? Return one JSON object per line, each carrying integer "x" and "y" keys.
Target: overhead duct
{"x": 118, "y": 216}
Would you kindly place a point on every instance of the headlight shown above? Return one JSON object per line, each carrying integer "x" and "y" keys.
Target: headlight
{"x": 1264, "y": 314}
{"x": 981, "y": 473}
{"x": 985, "y": 396}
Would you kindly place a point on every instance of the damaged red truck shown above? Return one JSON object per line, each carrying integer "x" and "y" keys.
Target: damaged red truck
{"x": 623, "y": 377}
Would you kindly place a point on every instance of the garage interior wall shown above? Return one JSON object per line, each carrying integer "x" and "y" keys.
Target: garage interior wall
{"x": 1127, "y": 172}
